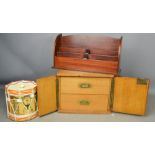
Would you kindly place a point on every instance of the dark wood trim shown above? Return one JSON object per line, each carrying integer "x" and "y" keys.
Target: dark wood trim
{"x": 58, "y": 37}
{"x": 88, "y": 53}
{"x": 109, "y": 67}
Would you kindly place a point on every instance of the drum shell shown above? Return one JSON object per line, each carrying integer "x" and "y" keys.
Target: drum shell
{"x": 21, "y": 104}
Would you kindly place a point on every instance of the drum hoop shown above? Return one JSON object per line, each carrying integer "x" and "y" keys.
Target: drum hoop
{"x": 22, "y": 116}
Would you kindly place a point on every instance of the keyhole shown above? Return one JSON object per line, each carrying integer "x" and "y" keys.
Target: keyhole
{"x": 86, "y": 54}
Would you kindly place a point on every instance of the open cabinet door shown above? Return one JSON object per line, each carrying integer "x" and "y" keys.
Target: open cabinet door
{"x": 130, "y": 95}
{"x": 46, "y": 91}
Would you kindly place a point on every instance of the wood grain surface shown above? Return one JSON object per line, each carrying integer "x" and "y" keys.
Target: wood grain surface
{"x": 129, "y": 96}
{"x": 73, "y": 85}
{"x": 94, "y": 97}
{"x": 71, "y": 73}
{"x": 84, "y": 103}
{"x": 90, "y": 65}
{"x": 71, "y": 52}
{"x": 46, "y": 90}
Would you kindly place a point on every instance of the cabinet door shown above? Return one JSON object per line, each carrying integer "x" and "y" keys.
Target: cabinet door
{"x": 46, "y": 90}
{"x": 130, "y": 95}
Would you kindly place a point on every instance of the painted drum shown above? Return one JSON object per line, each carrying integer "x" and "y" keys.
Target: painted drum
{"x": 21, "y": 100}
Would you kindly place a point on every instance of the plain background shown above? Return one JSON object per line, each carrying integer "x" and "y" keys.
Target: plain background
{"x": 77, "y": 16}
{"x": 30, "y": 56}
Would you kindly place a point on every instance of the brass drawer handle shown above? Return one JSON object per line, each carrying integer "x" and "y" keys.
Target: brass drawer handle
{"x": 84, "y": 102}
{"x": 85, "y": 85}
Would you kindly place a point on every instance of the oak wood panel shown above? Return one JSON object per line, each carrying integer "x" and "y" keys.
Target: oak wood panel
{"x": 72, "y": 103}
{"x": 71, "y": 85}
{"x": 69, "y": 73}
{"x": 130, "y": 97}
{"x": 46, "y": 90}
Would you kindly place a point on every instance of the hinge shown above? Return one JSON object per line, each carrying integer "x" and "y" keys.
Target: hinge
{"x": 57, "y": 92}
{"x": 111, "y": 94}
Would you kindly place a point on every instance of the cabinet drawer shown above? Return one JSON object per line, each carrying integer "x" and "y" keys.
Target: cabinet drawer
{"x": 80, "y": 85}
{"x": 84, "y": 103}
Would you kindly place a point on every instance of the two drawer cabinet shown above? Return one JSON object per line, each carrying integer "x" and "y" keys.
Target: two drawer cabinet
{"x": 80, "y": 92}
{"x": 83, "y": 94}
{"x": 74, "y": 92}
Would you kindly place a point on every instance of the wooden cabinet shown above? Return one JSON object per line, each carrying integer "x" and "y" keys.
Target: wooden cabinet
{"x": 83, "y": 93}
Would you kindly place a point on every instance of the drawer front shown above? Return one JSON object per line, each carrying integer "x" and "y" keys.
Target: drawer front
{"x": 84, "y": 103}
{"x": 80, "y": 85}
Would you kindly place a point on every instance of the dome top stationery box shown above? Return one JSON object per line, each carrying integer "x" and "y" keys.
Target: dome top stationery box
{"x": 91, "y": 53}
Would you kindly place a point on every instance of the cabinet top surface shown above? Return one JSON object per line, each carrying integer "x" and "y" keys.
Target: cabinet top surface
{"x": 69, "y": 73}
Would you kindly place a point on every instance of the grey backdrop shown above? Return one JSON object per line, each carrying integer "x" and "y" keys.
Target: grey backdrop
{"x": 29, "y": 56}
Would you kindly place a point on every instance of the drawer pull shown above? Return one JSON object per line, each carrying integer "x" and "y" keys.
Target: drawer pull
{"x": 84, "y": 102}
{"x": 85, "y": 85}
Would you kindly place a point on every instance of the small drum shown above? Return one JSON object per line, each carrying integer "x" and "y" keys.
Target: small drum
{"x": 21, "y": 100}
